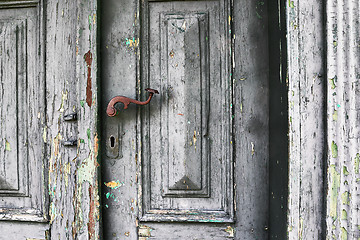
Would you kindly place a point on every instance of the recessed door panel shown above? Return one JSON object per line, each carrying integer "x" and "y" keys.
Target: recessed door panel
{"x": 186, "y": 132}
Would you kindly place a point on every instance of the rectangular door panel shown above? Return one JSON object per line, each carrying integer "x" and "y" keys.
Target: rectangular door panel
{"x": 186, "y": 132}
{"x": 22, "y": 131}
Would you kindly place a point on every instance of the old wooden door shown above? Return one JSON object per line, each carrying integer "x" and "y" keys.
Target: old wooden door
{"x": 192, "y": 164}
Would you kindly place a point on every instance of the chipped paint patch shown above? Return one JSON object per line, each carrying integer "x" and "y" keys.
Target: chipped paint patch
{"x": 132, "y": 43}
{"x": 7, "y": 146}
{"x": 343, "y": 234}
{"x": 335, "y": 115}
{"x": 332, "y": 82}
{"x": 252, "y": 149}
{"x": 334, "y": 191}
{"x": 230, "y": 231}
{"x": 52, "y": 212}
{"x": 64, "y": 95}
{"x": 88, "y": 59}
{"x": 144, "y": 231}
{"x": 334, "y": 150}
{"x": 194, "y": 139}
{"x": 301, "y": 228}
{"x": 357, "y": 163}
{"x": 343, "y": 215}
{"x": 345, "y": 198}
{"x": 44, "y": 134}
{"x": 114, "y": 184}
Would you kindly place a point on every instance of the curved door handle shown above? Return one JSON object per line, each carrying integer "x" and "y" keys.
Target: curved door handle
{"x": 111, "y": 110}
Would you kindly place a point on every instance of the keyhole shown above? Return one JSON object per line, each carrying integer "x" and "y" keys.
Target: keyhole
{"x": 112, "y": 141}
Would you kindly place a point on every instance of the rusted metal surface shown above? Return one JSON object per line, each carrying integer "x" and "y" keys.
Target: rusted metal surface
{"x": 111, "y": 110}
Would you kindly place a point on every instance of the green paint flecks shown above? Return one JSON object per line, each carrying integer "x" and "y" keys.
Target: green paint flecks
{"x": 335, "y": 115}
{"x": 88, "y": 133}
{"x": 334, "y": 191}
{"x": 334, "y": 150}
{"x": 345, "y": 198}
{"x": 332, "y": 82}
{"x": 343, "y": 215}
{"x": 90, "y": 22}
{"x": 301, "y": 228}
{"x": 343, "y": 234}
{"x": 357, "y": 163}
{"x": 82, "y": 103}
{"x": 291, "y": 4}
{"x": 345, "y": 171}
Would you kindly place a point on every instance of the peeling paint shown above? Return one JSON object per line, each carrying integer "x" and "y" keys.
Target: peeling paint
{"x": 301, "y": 228}
{"x": 343, "y": 215}
{"x": 132, "y": 43}
{"x": 144, "y": 231}
{"x": 7, "y": 146}
{"x": 44, "y": 134}
{"x": 334, "y": 150}
{"x": 343, "y": 234}
{"x": 230, "y": 231}
{"x": 64, "y": 95}
{"x": 252, "y": 149}
{"x": 345, "y": 198}
{"x": 194, "y": 139}
{"x": 357, "y": 163}
{"x": 332, "y": 82}
{"x": 114, "y": 184}
{"x": 334, "y": 191}
{"x": 291, "y": 4}
{"x": 335, "y": 115}
{"x": 52, "y": 212}
{"x": 88, "y": 59}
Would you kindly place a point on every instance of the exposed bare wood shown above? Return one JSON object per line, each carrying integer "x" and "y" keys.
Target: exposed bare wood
{"x": 71, "y": 73}
{"x": 306, "y": 119}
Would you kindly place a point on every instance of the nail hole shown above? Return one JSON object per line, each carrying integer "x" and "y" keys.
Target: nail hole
{"x": 112, "y": 141}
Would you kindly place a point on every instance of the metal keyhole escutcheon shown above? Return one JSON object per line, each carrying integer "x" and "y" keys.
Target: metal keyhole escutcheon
{"x": 111, "y": 110}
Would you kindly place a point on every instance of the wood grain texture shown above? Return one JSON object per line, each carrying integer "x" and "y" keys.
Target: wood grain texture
{"x": 119, "y": 76}
{"x": 186, "y": 136}
{"x": 251, "y": 118}
{"x": 24, "y": 231}
{"x": 71, "y": 80}
{"x": 306, "y": 61}
{"x": 22, "y": 115}
{"x": 343, "y": 176}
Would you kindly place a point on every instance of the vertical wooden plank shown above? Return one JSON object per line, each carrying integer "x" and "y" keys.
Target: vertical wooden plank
{"x": 71, "y": 73}
{"x": 306, "y": 118}
{"x": 119, "y": 76}
{"x": 251, "y": 118}
{"x": 343, "y": 198}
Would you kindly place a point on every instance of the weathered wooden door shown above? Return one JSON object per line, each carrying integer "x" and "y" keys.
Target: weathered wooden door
{"x": 192, "y": 164}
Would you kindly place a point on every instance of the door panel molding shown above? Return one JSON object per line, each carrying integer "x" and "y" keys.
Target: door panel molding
{"x": 186, "y": 165}
{"x": 22, "y": 177}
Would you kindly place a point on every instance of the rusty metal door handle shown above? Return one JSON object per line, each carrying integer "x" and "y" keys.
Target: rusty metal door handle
{"x": 111, "y": 110}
